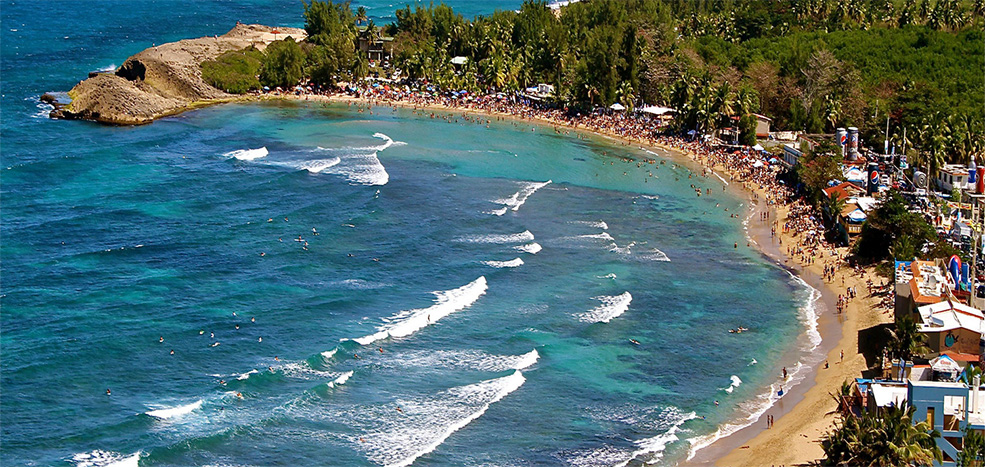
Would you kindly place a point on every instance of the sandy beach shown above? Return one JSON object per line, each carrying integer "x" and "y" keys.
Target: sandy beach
{"x": 807, "y": 411}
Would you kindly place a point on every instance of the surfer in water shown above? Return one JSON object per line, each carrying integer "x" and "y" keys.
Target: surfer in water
{"x": 634, "y": 341}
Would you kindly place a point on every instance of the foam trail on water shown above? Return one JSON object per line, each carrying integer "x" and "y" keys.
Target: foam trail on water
{"x": 734, "y": 384}
{"x": 469, "y": 360}
{"x": 247, "y": 374}
{"x": 100, "y": 458}
{"x": 318, "y": 165}
{"x": 654, "y": 447}
{"x": 447, "y": 302}
{"x": 387, "y": 142}
{"x": 521, "y": 237}
{"x": 532, "y": 248}
{"x": 513, "y": 263}
{"x": 340, "y": 380}
{"x": 594, "y": 224}
{"x": 247, "y": 154}
{"x": 528, "y": 188}
{"x": 611, "y": 307}
{"x": 498, "y": 212}
{"x": 164, "y": 414}
{"x": 424, "y": 425}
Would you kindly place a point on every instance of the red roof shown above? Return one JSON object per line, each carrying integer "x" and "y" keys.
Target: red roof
{"x": 962, "y": 357}
{"x": 843, "y": 190}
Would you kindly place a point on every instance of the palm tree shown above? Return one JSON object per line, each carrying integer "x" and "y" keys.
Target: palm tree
{"x": 887, "y": 437}
{"x": 361, "y": 15}
{"x": 973, "y": 452}
{"x": 906, "y": 340}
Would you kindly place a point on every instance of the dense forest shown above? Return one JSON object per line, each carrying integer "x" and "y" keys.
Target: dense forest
{"x": 811, "y": 65}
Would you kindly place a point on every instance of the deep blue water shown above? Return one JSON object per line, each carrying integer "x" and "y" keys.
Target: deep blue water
{"x": 114, "y": 237}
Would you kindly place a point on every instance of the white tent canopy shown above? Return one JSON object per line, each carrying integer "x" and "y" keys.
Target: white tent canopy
{"x": 657, "y": 110}
{"x": 459, "y": 60}
{"x": 944, "y": 364}
{"x": 617, "y": 107}
{"x": 758, "y": 147}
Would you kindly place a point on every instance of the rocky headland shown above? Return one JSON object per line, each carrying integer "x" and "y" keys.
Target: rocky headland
{"x": 162, "y": 80}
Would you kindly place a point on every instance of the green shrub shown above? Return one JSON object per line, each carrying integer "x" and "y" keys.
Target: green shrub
{"x": 235, "y": 71}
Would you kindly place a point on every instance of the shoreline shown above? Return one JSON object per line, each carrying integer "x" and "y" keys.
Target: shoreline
{"x": 802, "y": 414}
{"x": 806, "y": 411}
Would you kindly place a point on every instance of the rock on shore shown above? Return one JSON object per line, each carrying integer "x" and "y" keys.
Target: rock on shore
{"x": 163, "y": 80}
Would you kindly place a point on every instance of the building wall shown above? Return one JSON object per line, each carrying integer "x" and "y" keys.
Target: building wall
{"x": 964, "y": 341}
{"x": 925, "y": 398}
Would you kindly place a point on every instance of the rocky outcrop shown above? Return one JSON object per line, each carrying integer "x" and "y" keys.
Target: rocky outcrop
{"x": 163, "y": 80}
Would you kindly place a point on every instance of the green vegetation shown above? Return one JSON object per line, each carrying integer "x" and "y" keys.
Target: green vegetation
{"x": 811, "y": 65}
{"x": 234, "y": 71}
{"x": 884, "y": 437}
{"x": 891, "y": 230}
{"x": 283, "y": 64}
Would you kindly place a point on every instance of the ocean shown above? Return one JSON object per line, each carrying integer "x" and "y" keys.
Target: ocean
{"x": 352, "y": 286}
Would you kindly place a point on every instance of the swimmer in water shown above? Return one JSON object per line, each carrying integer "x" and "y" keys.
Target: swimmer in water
{"x": 380, "y": 349}
{"x": 161, "y": 339}
{"x": 108, "y": 393}
{"x": 211, "y": 335}
{"x": 259, "y": 339}
{"x": 172, "y": 351}
{"x": 253, "y": 319}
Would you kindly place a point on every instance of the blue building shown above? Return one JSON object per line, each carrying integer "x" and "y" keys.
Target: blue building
{"x": 950, "y": 407}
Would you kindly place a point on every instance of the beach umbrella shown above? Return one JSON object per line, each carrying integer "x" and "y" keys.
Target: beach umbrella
{"x": 758, "y": 164}
{"x": 617, "y": 107}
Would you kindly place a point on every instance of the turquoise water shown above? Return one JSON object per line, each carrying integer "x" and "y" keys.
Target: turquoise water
{"x": 445, "y": 305}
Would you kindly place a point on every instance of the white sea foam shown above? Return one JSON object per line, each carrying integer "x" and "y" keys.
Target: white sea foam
{"x": 532, "y": 248}
{"x": 517, "y": 199}
{"x": 654, "y": 447}
{"x": 751, "y": 410}
{"x": 340, "y": 380}
{"x": 594, "y": 224}
{"x": 498, "y": 212}
{"x": 645, "y": 451}
{"x": 108, "y": 68}
{"x": 303, "y": 370}
{"x": 513, "y": 263}
{"x": 521, "y": 237}
{"x": 167, "y": 413}
{"x": 422, "y": 426}
{"x": 447, "y": 302}
{"x": 753, "y": 362}
{"x": 318, "y": 165}
{"x": 611, "y": 307}
{"x": 465, "y": 360}
{"x": 610, "y": 275}
{"x": 720, "y": 178}
{"x": 246, "y": 375}
{"x": 599, "y": 236}
{"x": 654, "y": 255}
{"x": 387, "y": 142}
{"x": 735, "y": 382}
{"x": 328, "y": 354}
{"x": 100, "y": 458}
{"x": 247, "y": 154}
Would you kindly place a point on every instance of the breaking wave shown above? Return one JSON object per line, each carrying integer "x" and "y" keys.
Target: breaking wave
{"x": 514, "y": 202}
{"x": 513, "y": 263}
{"x": 167, "y": 413}
{"x": 247, "y": 154}
{"x": 447, "y": 302}
{"x": 611, "y": 307}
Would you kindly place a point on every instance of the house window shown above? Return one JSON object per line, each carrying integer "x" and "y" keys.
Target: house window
{"x": 930, "y": 416}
